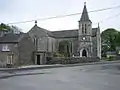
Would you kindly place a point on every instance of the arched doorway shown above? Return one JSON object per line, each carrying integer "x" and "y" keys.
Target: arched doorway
{"x": 84, "y": 53}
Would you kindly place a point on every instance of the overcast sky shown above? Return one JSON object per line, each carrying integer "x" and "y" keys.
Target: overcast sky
{"x": 23, "y": 10}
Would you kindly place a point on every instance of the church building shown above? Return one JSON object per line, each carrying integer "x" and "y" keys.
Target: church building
{"x": 84, "y": 41}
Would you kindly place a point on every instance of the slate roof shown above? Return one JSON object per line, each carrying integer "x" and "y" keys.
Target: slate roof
{"x": 39, "y": 28}
{"x": 84, "y": 16}
{"x": 71, "y": 33}
{"x": 65, "y": 33}
{"x": 10, "y": 38}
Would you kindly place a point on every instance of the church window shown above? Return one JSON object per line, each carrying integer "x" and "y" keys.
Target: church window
{"x": 85, "y": 28}
{"x": 82, "y": 28}
{"x": 35, "y": 41}
{"x": 83, "y": 38}
{"x": 71, "y": 46}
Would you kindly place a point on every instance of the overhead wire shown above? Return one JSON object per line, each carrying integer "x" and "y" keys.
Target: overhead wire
{"x": 62, "y": 16}
{"x": 108, "y": 18}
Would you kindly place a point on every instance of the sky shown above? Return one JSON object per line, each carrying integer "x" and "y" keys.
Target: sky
{"x": 25, "y": 10}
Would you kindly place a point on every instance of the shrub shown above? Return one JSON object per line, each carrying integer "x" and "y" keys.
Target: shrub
{"x": 56, "y": 54}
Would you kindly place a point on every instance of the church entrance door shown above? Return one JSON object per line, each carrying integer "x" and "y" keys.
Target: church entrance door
{"x": 38, "y": 59}
{"x": 84, "y": 53}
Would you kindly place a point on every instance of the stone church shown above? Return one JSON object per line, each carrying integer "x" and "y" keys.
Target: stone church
{"x": 85, "y": 41}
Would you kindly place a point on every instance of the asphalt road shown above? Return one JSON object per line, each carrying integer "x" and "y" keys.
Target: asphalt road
{"x": 90, "y": 77}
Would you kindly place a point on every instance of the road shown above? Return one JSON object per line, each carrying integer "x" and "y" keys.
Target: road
{"x": 89, "y": 77}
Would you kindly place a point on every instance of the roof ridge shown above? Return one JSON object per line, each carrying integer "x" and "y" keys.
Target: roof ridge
{"x": 64, "y": 30}
{"x": 48, "y": 32}
{"x": 10, "y": 38}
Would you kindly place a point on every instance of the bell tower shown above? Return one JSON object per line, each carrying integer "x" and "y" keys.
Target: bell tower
{"x": 85, "y": 34}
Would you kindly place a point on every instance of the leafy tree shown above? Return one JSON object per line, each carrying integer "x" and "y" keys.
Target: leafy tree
{"x": 12, "y": 29}
{"x": 117, "y": 41}
{"x": 108, "y": 39}
{"x": 4, "y": 27}
{"x": 15, "y": 29}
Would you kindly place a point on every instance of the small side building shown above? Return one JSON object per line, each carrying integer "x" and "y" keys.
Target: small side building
{"x": 16, "y": 50}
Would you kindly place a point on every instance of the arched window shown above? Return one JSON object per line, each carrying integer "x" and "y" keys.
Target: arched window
{"x": 35, "y": 42}
{"x": 82, "y": 29}
{"x": 85, "y": 28}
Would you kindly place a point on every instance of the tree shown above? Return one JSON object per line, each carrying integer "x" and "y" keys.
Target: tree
{"x": 117, "y": 41}
{"x": 108, "y": 39}
{"x": 4, "y": 27}
{"x": 12, "y": 29}
{"x": 15, "y": 29}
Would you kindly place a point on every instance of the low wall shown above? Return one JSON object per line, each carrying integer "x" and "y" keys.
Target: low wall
{"x": 71, "y": 60}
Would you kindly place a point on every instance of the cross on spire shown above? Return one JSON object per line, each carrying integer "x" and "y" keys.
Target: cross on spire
{"x": 35, "y": 22}
{"x": 84, "y": 3}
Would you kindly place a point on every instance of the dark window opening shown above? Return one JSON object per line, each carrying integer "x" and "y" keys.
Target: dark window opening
{"x": 85, "y": 28}
{"x": 82, "y": 28}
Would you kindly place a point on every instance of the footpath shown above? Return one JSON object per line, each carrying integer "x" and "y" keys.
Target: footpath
{"x": 32, "y": 67}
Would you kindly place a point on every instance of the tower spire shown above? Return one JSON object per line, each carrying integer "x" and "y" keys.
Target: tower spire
{"x": 84, "y": 16}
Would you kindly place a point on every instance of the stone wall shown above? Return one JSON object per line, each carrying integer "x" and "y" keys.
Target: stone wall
{"x": 51, "y": 44}
{"x": 26, "y": 49}
{"x": 94, "y": 48}
{"x": 71, "y": 60}
{"x": 13, "y": 49}
{"x": 3, "y": 59}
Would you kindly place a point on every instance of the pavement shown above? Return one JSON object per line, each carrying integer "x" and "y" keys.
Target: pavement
{"x": 32, "y": 67}
{"x": 86, "y": 77}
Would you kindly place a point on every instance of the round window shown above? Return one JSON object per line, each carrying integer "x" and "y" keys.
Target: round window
{"x": 83, "y": 38}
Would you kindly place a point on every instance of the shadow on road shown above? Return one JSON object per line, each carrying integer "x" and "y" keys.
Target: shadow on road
{"x": 13, "y": 75}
